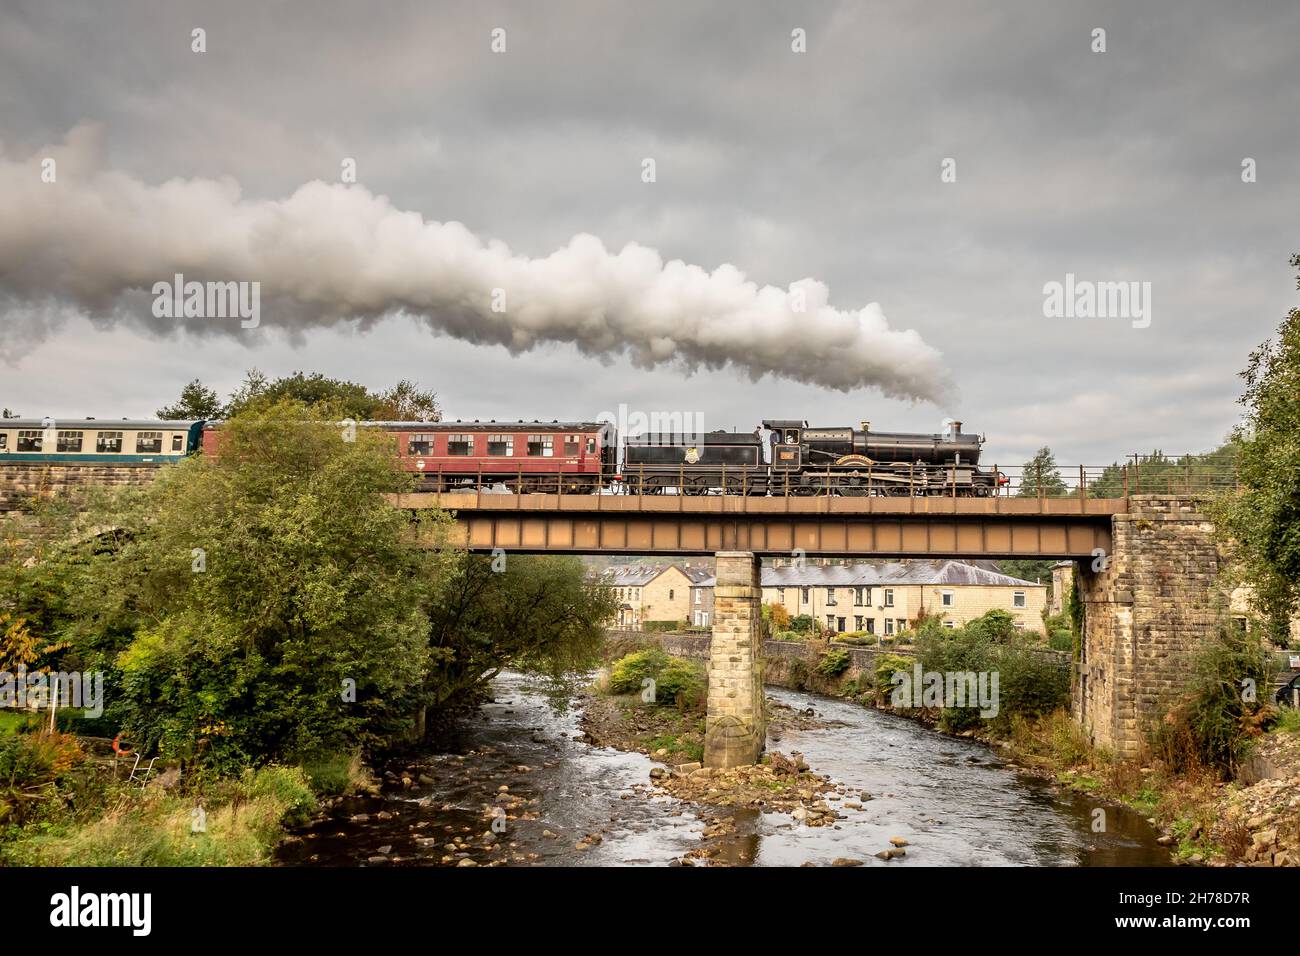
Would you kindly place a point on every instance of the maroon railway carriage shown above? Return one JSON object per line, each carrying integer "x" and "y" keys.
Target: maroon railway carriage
{"x": 524, "y": 456}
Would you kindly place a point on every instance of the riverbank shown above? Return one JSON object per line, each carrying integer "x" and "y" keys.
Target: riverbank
{"x": 1201, "y": 819}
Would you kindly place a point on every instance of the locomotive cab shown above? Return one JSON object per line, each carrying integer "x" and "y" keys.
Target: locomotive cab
{"x": 786, "y": 438}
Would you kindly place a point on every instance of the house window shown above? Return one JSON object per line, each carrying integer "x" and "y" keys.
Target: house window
{"x": 780, "y": 595}
{"x": 839, "y": 624}
{"x": 1019, "y": 625}
{"x": 499, "y": 446}
{"x": 946, "y": 598}
{"x": 889, "y": 626}
{"x": 803, "y": 595}
{"x": 571, "y": 445}
{"x": 871, "y": 625}
{"x": 830, "y": 597}
{"x": 462, "y": 445}
{"x": 1018, "y": 599}
{"x": 861, "y": 596}
{"x": 950, "y": 625}
{"x": 29, "y": 441}
{"x": 670, "y": 594}
{"x": 889, "y": 597}
{"x": 830, "y": 622}
{"x": 108, "y": 443}
{"x": 857, "y": 622}
{"x": 178, "y": 443}
{"x": 69, "y": 441}
{"x": 148, "y": 443}
{"x": 421, "y": 446}
{"x": 541, "y": 445}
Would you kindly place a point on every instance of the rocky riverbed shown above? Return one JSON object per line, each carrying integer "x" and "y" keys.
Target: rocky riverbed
{"x": 534, "y": 781}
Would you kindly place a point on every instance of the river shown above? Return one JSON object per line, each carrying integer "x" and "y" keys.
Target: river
{"x": 953, "y": 800}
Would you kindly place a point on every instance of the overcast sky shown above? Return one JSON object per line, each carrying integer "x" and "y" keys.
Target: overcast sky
{"x": 1117, "y": 166}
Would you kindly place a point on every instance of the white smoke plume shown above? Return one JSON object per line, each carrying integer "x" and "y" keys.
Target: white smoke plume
{"x": 97, "y": 240}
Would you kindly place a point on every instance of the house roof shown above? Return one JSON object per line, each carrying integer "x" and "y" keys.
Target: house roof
{"x": 639, "y": 575}
{"x": 877, "y": 573}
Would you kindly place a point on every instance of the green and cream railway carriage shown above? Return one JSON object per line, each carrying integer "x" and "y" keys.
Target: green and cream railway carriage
{"x": 97, "y": 441}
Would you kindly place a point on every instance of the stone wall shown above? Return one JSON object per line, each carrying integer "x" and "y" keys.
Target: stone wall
{"x": 1154, "y": 601}
{"x": 20, "y": 483}
{"x": 735, "y": 730}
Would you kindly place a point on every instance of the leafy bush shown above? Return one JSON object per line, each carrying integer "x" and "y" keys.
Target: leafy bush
{"x": 834, "y": 663}
{"x": 629, "y": 672}
{"x": 681, "y": 682}
{"x": 995, "y": 627}
{"x": 31, "y": 765}
{"x": 676, "y": 680}
{"x": 802, "y": 623}
{"x": 663, "y": 627}
{"x": 1213, "y": 722}
{"x": 887, "y": 665}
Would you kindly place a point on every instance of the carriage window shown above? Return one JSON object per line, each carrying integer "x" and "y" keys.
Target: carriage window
{"x": 541, "y": 445}
{"x": 501, "y": 445}
{"x": 29, "y": 441}
{"x": 107, "y": 443}
{"x": 148, "y": 443}
{"x": 69, "y": 441}
{"x": 178, "y": 443}
{"x": 571, "y": 445}
{"x": 4, "y": 440}
{"x": 591, "y": 446}
{"x": 460, "y": 444}
{"x": 421, "y": 445}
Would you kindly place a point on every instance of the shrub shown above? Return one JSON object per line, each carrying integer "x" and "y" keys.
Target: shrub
{"x": 629, "y": 672}
{"x": 681, "y": 682}
{"x": 676, "y": 680}
{"x": 1212, "y": 722}
{"x": 31, "y": 766}
{"x": 802, "y": 623}
{"x": 887, "y": 665}
{"x": 663, "y": 627}
{"x": 834, "y": 663}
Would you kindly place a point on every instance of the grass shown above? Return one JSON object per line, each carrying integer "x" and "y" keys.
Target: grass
{"x": 336, "y": 775}
{"x": 12, "y": 720}
{"x": 242, "y": 823}
{"x": 1288, "y": 721}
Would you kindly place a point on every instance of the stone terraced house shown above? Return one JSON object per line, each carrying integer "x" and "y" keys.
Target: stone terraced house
{"x": 653, "y": 592}
{"x": 885, "y": 597}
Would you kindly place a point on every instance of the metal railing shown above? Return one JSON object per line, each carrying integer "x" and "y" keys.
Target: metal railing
{"x": 1140, "y": 475}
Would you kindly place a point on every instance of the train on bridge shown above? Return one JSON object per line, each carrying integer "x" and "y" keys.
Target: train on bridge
{"x": 782, "y": 457}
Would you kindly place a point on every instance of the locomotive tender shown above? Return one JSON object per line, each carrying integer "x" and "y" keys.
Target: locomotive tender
{"x": 579, "y": 457}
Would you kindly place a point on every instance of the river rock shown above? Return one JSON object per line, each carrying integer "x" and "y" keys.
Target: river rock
{"x": 898, "y": 841}
{"x": 845, "y": 861}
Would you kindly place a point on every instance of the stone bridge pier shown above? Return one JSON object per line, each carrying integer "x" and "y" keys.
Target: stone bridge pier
{"x": 1147, "y": 605}
{"x": 735, "y": 730}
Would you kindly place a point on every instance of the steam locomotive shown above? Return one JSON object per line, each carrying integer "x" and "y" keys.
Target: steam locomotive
{"x": 811, "y": 461}
{"x": 580, "y": 457}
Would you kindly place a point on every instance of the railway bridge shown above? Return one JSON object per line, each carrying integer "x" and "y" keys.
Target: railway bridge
{"x": 1147, "y": 571}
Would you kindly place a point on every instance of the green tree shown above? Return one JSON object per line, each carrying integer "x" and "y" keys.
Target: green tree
{"x": 196, "y": 401}
{"x": 273, "y": 597}
{"x": 346, "y": 399}
{"x": 539, "y": 613}
{"x": 1261, "y": 519}
{"x": 406, "y": 402}
{"x": 1040, "y": 476}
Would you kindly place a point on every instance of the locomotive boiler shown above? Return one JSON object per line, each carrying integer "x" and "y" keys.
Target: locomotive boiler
{"x": 850, "y": 461}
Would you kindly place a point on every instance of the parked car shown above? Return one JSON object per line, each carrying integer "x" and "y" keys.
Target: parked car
{"x": 1286, "y": 694}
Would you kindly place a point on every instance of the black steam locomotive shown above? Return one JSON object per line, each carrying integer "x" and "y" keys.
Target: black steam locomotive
{"x": 795, "y": 459}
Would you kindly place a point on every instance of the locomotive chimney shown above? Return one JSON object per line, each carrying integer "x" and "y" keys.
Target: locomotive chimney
{"x": 866, "y": 426}
{"x": 956, "y": 428}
